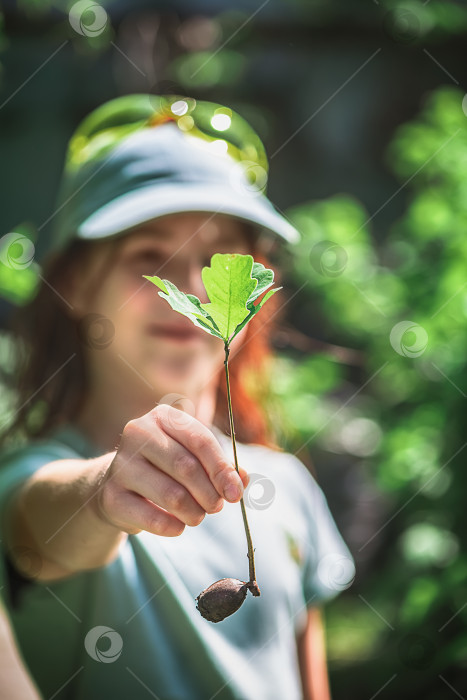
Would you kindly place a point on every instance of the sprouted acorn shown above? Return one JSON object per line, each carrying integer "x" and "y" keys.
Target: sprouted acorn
{"x": 221, "y": 599}
{"x": 233, "y": 283}
{"x": 224, "y": 597}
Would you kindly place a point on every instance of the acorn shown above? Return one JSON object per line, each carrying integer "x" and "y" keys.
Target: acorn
{"x": 222, "y": 599}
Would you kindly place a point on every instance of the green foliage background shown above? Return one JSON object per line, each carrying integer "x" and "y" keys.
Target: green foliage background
{"x": 402, "y": 413}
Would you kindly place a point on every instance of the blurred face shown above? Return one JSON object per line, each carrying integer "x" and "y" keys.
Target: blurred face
{"x": 155, "y": 350}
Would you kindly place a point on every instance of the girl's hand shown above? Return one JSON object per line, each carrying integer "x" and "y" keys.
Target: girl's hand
{"x": 168, "y": 472}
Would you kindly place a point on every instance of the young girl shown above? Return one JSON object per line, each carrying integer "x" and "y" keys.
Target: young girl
{"x": 122, "y": 504}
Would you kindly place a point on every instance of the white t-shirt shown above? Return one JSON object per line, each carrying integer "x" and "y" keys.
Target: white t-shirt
{"x": 131, "y": 629}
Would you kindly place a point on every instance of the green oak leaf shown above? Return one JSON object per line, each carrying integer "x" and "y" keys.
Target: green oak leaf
{"x": 265, "y": 278}
{"x": 198, "y": 305}
{"x": 254, "y": 310}
{"x": 229, "y": 284}
{"x": 181, "y": 302}
{"x": 233, "y": 283}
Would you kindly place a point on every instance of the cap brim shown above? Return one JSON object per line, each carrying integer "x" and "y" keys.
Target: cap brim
{"x": 151, "y": 202}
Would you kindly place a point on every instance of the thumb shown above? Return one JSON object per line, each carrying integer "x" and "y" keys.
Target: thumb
{"x": 244, "y": 476}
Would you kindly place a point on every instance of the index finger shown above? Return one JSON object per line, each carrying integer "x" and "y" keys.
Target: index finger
{"x": 202, "y": 443}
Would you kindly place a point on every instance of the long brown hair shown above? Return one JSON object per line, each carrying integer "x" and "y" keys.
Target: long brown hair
{"x": 51, "y": 379}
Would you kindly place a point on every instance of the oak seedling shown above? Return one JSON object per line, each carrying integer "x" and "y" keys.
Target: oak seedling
{"x": 233, "y": 284}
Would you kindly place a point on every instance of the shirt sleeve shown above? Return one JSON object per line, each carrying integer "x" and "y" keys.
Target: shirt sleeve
{"x": 328, "y": 566}
{"x": 16, "y": 466}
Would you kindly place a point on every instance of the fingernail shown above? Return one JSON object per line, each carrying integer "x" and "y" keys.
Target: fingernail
{"x": 233, "y": 491}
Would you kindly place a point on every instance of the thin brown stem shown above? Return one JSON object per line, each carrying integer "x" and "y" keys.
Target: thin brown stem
{"x": 253, "y": 586}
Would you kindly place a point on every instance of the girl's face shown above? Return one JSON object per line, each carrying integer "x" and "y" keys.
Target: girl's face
{"x": 155, "y": 349}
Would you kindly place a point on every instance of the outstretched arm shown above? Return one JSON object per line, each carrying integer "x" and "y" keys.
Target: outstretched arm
{"x": 75, "y": 513}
